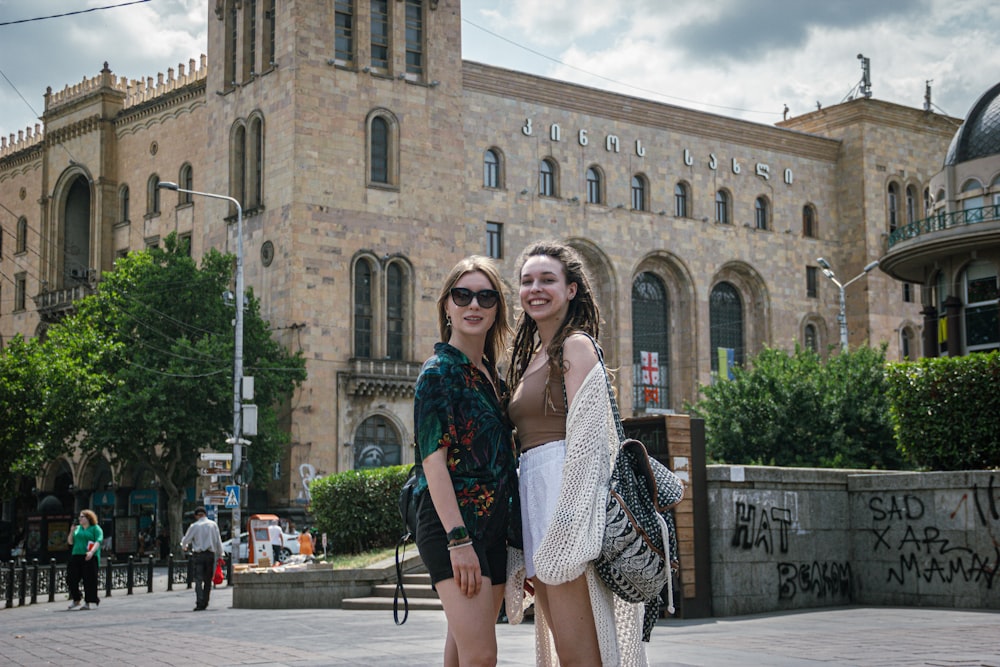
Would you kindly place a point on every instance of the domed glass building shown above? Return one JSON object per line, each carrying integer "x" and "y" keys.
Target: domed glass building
{"x": 954, "y": 253}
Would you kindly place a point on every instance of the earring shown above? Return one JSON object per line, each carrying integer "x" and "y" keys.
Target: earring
{"x": 448, "y": 321}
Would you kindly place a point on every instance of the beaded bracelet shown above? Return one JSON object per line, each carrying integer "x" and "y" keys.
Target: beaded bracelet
{"x": 459, "y": 545}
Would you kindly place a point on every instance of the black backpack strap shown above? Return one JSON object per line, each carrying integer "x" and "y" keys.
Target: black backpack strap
{"x": 400, "y": 591}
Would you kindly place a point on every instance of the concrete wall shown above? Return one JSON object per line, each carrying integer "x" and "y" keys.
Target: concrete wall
{"x": 791, "y": 538}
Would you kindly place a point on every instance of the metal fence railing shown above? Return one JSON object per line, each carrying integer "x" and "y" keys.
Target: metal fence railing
{"x": 31, "y": 582}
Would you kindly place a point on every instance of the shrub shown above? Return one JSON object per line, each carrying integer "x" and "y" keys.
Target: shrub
{"x": 945, "y": 411}
{"x": 358, "y": 509}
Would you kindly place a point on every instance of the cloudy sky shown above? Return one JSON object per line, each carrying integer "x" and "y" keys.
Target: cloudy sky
{"x": 740, "y": 58}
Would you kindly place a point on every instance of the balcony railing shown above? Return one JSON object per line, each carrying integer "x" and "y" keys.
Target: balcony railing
{"x": 55, "y": 303}
{"x": 945, "y": 220}
{"x": 383, "y": 377}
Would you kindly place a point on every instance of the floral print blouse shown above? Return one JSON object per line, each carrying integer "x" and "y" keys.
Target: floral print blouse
{"x": 456, "y": 407}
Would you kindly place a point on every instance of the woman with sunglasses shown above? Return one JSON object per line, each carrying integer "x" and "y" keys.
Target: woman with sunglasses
{"x": 466, "y": 448}
{"x": 565, "y": 426}
{"x": 85, "y": 536}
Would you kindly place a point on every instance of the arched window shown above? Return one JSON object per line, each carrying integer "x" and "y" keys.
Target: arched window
{"x": 972, "y": 207}
{"x": 153, "y": 195}
{"x": 680, "y": 201}
{"x": 21, "y": 241}
{"x": 594, "y": 189}
{"x": 639, "y": 202}
{"x": 394, "y": 290}
{"x": 186, "y": 180}
{"x": 911, "y": 204}
{"x": 982, "y": 327}
{"x": 383, "y": 149}
{"x": 255, "y": 162}
{"x": 809, "y": 222}
{"x": 547, "y": 181}
{"x": 893, "y": 205}
{"x": 650, "y": 343}
{"x": 761, "y": 214}
{"x": 906, "y": 344}
{"x": 726, "y": 327}
{"x": 123, "y": 203}
{"x": 491, "y": 169}
{"x": 809, "y": 339}
{"x": 380, "y": 150}
{"x": 363, "y": 325}
{"x": 722, "y": 207}
{"x": 376, "y": 444}
{"x": 238, "y": 163}
{"x": 927, "y": 202}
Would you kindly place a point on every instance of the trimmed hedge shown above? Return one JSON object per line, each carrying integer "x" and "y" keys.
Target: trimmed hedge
{"x": 358, "y": 509}
{"x": 946, "y": 411}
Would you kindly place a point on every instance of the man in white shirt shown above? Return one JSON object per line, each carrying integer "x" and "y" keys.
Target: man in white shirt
{"x": 204, "y": 542}
{"x": 277, "y": 539}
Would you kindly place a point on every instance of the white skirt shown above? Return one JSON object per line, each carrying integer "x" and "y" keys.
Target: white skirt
{"x": 540, "y": 480}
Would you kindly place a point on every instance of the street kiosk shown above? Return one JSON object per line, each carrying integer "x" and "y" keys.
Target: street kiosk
{"x": 259, "y": 545}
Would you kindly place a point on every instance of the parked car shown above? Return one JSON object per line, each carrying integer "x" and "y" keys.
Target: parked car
{"x": 291, "y": 547}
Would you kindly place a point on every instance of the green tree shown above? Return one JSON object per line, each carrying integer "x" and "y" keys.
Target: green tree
{"x": 43, "y": 390}
{"x": 164, "y": 348}
{"x": 795, "y": 410}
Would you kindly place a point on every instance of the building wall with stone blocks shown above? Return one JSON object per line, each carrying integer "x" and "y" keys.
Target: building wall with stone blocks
{"x": 319, "y": 213}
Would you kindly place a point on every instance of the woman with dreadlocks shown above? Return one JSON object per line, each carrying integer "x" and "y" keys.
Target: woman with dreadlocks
{"x": 560, "y": 407}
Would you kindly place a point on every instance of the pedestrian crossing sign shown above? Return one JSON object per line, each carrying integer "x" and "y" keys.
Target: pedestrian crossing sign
{"x": 232, "y": 496}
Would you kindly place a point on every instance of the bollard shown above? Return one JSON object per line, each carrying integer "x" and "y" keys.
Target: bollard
{"x": 190, "y": 572}
{"x": 130, "y": 575}
{"x": 52, "y": 580}
{"x": 22, "y": 583}
{"x": 149, "y": 576}
{"x": 170, "y": 572}
{"x": 108, "y": 575}
{"x": 229, "y": 570}
{"x": 34, "y": 581}
{"x": 9, "y": 575}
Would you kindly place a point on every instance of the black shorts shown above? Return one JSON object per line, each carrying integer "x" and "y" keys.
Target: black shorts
{"x": 432, "y": 543}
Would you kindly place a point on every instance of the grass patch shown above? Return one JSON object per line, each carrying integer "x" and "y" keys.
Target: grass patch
{"x": 363, "y": 559}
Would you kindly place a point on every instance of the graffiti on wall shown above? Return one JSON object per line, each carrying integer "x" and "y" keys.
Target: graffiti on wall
{"x": 816, "y": 578}
{"x": 761, "y": 527}
{"x": 903, "y": 525}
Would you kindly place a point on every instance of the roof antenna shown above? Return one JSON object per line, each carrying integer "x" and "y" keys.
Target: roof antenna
{"x": 866, "y": 75}
{"x": 927, "y": 94}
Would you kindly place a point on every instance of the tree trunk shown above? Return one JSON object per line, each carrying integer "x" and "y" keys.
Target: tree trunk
{"x": 175, "y": 515}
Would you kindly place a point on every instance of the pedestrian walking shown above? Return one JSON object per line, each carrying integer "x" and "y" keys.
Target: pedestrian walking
{"x": 85, "y": 536}
{"x": 204, "y": 543}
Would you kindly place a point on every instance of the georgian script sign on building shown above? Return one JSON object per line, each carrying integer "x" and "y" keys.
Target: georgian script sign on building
{"x": 613, "y": 143}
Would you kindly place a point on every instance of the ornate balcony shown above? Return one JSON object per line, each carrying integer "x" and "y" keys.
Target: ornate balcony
{"x": 53, "y": 305}
{"x": 914, "y": 246}
{"x": 382, "y": 377}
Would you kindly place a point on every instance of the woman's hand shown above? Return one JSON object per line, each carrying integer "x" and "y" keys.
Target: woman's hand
{"x": 465, "y": 565}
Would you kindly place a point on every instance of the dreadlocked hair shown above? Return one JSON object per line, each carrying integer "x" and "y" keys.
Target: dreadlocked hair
{"x": 583, "y": 314}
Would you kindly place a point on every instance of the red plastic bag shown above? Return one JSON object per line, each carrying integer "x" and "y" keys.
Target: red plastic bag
{"x": 219, "y": 575}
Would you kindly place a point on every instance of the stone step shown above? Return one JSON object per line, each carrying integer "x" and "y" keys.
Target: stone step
{"x": 416, "y": 578}
{"x": 412, "y": 590}
{"x": 377, "y": 604}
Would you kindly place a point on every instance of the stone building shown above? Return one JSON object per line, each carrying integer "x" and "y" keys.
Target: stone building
{"x": 369, "y": 157}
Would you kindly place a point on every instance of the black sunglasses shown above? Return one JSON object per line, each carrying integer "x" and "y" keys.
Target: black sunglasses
{"x": 486, "y": 298}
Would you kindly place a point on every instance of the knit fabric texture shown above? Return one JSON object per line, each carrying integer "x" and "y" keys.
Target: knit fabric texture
{"x": 573, "y": 539}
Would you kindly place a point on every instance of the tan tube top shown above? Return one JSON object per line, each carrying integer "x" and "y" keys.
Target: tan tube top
{"x": 539, "y": 417}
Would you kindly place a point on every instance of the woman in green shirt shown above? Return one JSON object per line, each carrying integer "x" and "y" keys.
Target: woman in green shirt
{"x": 85, "y": 536}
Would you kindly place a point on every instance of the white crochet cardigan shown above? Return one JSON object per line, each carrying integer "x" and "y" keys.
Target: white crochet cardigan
{"x": 573, "y": 539}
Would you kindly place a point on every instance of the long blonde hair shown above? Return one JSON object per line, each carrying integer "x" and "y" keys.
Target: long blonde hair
{"x": 583, "y": 315}
{"x": 496, "y": 337}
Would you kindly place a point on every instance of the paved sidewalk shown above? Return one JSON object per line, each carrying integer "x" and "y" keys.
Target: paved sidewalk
{"x": 161, "y": 629}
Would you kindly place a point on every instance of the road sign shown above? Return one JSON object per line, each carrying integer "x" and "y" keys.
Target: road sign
{"x": 216, "y": 456}
{"x": 232, "y": 496}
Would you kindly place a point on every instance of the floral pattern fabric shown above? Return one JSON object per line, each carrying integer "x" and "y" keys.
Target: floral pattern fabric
{"x": 456, "y": 407}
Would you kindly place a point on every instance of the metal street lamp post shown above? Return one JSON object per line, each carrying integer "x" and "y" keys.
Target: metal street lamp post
{"x": 237, "y": 440}
{"x": 842, "y": 317}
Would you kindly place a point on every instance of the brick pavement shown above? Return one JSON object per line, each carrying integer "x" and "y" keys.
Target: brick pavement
{"x": 160, "y": 629}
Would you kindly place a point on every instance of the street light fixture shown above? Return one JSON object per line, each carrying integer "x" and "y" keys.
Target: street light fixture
{"x": 237, "y": 441}
{"x": 842, "y": 317}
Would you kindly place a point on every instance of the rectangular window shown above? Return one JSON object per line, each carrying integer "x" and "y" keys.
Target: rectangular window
{"x": 415, "y": 38}
{"x": 812, "y": 282}
{"x": 494, "y": 240}
{"x": 344, "y": 32}
{"x": 184, "y": 243}
{"x": 250, "y": 40}
{"x": 907, "y": 292}
{"x": 380, "y": 34}
{"x": 269, "y": 34}
{"x": 20, "y": 288}
{"x": 233, "y": 34}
